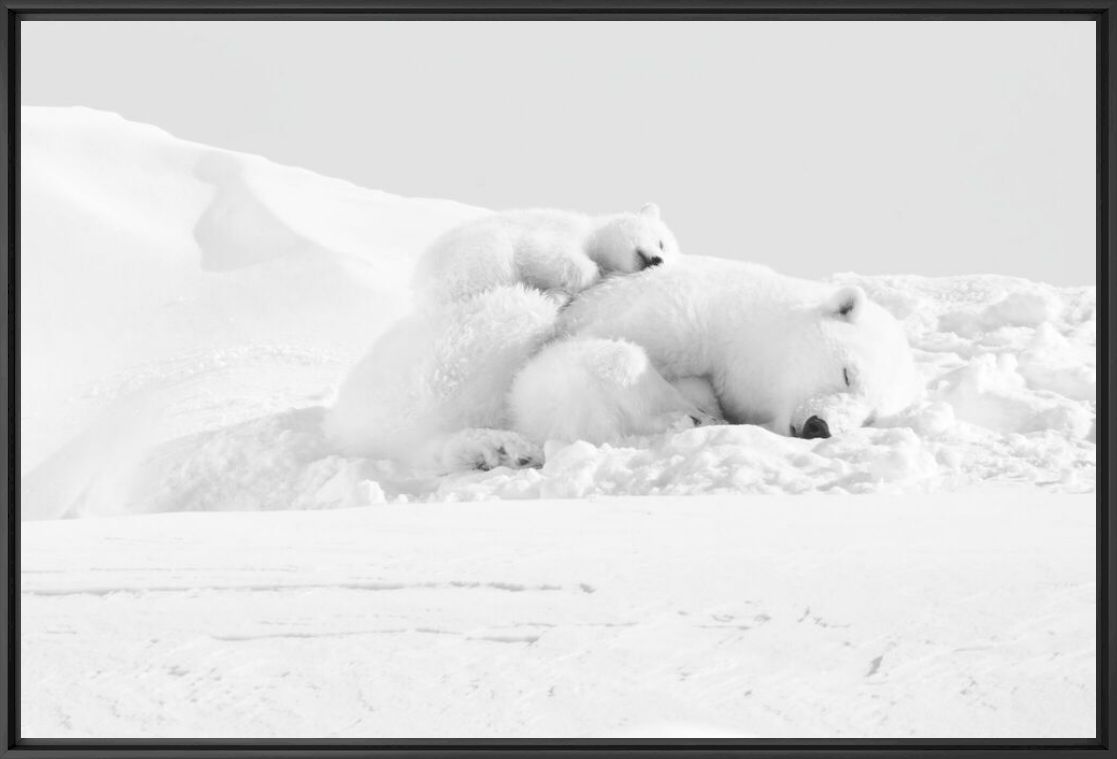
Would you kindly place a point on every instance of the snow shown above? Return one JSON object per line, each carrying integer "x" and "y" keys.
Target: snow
{"x": 812, "y": 616}
{"x": 149, "y": 263}
{"x": 187, "y": 313}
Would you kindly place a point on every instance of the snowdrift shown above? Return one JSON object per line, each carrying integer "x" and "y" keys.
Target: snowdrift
{"x": 187, "y": 311}
{"x": 168, "y": 288}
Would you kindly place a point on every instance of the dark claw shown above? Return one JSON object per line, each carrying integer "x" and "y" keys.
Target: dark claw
{"x": 500, "y": 451}
{"x": 696, "y": 420}
{"x": 523, "y": 461}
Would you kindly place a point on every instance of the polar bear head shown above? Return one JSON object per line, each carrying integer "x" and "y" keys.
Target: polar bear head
{"x": 630, "y": 242}
{"x": 840, "y": 362}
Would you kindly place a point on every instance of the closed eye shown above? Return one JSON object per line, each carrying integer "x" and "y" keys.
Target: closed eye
{"x": 661, "y": 244}
{"x": 845, "y": 375}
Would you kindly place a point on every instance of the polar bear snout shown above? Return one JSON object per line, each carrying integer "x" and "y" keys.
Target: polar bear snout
{"x": 648, "y": 261}
{"x": 814, "y": 427}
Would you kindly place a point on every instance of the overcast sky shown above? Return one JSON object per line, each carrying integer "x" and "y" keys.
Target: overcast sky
{"x": 816, "y": 147}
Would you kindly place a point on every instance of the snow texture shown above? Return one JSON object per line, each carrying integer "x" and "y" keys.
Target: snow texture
{"x": 814, "y": 616}
{"x": 187, "y": 313}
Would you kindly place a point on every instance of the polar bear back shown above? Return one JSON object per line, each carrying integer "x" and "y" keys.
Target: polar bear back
{"x": 682, "y": 313}
{"x": 544, "y": 249}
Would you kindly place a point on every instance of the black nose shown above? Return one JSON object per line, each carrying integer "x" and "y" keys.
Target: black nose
{"x": 815, "y": 427}
{"x": 648, "y": 261}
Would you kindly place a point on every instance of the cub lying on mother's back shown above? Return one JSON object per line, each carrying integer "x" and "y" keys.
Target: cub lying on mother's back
{"x": 543, "y": 249}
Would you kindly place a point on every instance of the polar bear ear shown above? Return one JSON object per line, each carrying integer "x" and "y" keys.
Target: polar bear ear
{"x": 847, "y": 303}
{"x": 650, "y": 210}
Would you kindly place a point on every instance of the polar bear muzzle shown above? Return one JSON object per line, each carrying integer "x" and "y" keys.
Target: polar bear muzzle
{"x": 814, "y": 427}
{"x": 646, "y": 260}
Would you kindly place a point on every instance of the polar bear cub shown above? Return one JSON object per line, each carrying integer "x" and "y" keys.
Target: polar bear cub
{"x": 561, "y": 252}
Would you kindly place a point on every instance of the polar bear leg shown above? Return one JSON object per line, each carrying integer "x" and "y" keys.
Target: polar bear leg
{"x": 567, "y": 269}
{"x": 700, "y": 392}
{"x": 485, "y": 449}
{"x": 597, "y": 390}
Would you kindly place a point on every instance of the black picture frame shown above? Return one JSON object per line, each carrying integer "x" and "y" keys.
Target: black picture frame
{"x": 1102, "y": 12}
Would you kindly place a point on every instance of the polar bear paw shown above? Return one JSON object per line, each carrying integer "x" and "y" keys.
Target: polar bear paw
{"x": 676, "y": 422}
{"x": 700, "y": 418}
{"x": 486, "y": 449}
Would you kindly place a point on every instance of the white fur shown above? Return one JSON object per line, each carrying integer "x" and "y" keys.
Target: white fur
{"x": 438, "y": 373}
{"x": 481, "y": 382}
{"x": 544, "y": 249}
{"x": 773, "y": 348}
{"x": 596, "y": 390}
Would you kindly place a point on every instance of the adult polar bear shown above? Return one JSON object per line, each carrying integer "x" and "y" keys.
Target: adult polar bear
{"x": 483, "y": 382}
{"x": 801, "y": 358}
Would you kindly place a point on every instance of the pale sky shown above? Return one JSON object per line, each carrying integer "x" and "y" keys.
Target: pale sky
{"x": 816, "y": 147}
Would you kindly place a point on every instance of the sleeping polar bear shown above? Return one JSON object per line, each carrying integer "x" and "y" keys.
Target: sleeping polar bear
{"x": 801, "y": 358}
{"x": 562, "y": 252}
{"x": 486, "y": 381}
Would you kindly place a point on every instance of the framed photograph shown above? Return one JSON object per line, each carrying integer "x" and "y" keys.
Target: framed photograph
{"x": 431, "y": 378}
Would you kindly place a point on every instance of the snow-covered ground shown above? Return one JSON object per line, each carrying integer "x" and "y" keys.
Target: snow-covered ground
{"x": 187, "y": 312}
{"x": 768, "y": 616}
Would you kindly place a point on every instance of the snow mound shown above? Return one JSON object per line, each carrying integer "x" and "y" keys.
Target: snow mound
{"x": 153, "y": 268}
{"x": 187, "y": 311}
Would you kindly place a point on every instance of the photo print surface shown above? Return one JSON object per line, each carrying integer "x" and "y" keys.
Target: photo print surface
{"x": 540, "y": 379}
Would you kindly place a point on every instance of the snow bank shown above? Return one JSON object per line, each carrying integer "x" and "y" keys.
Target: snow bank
{"x": 147, "y": 261}
{"x": 186, "y": 311}
{"x": 188, "y": 288}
